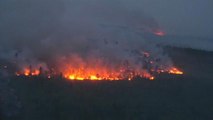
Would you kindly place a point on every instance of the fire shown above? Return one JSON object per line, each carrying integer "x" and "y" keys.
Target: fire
{"x": 102, "y": 73}
{"x": 175, "y": 71}
{"x": 102, "y": 77}
{"x": 28, "y": 72}
{"x": 97, "y": 69}
{"x": 76, "y": 68}
{"x": 152, "y": 78}
{"x": 91, "y": 77}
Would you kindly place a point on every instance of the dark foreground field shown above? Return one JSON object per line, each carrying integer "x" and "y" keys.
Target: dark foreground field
{"x": 187, "y": 97}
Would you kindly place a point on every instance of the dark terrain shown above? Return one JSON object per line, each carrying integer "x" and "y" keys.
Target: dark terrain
{"x": 169, "y": 97}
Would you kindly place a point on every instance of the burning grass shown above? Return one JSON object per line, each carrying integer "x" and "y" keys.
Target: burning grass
{"x": 99, "y": 73}
{"x": 75, "y": 67}
{"x": 78, "y": 68}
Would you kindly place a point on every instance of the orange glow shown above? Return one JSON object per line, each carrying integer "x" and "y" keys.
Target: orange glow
{"x": 28, "y": 72}
{"x": 152, "y": 78}
{"x": 175, "y": 71}
{"x": 35, "y": 72}
{"x": 91, "y": 74}
{"x": 101, "y": 73}
{"x": 97, "y": 70}
{"x": 105, "y": 76}
{"x": 76, "y": 68}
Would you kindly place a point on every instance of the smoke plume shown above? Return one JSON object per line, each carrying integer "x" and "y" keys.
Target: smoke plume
{"x": 48, "y": 33}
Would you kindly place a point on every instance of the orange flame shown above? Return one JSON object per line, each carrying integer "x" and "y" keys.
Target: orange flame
{"x": 175, "y": 71}
{"x": 95, "y": 69}
{"x": 28, "y": 72}
{"x": 102, "y": 73}
{"x": 97, "y": 73}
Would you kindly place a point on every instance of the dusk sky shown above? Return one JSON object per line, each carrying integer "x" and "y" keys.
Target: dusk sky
{"x": 30, "y": 19}
{"x": 181, "y": 17}
{"x": 106, "y": 59}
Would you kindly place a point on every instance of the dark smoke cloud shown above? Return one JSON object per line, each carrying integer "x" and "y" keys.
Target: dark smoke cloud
{"x": 188, "y": 21}
{"x": 29, "y": 22}
{"x": 41, "y": 31}
{"x": 72, "y": 25}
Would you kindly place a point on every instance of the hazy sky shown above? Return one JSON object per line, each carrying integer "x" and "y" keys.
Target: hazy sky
{"x": 185, "y": 17}
{"x": 23, "y": 21}
{"x": 44, "y": 30}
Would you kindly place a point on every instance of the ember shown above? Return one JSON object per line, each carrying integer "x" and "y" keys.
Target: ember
{"x": 28, "y": 72}
{"x": 175, "y": 71}
{"x": 99, "y": 71}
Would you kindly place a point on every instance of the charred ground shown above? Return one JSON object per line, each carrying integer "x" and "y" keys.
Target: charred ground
{"x": 168, "y": 97}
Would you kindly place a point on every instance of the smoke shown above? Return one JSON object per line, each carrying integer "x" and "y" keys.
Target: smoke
{"x": 47, "y": 33}
{"x": 198, "y": 43}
